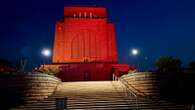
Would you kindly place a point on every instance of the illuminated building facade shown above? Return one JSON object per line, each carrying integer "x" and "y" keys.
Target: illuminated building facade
{"x": 85, "y": 45}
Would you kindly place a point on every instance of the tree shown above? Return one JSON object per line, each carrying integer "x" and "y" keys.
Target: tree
{"x": 49, "y": 71}
{"x": 168, "y": 64}
{"x": 192, "y": 65}
{"x": 4, "y": 62}
{"x": 7, "y": 66}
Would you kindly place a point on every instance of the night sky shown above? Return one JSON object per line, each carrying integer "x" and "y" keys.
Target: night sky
{"x": 156, "y": 27}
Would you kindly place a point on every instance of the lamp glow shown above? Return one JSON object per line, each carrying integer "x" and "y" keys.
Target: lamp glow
{"x": 134, "y": 52}
{"x": 46, "y": 52}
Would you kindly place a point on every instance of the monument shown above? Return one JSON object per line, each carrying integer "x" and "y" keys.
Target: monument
{"x": 85, "y": 46}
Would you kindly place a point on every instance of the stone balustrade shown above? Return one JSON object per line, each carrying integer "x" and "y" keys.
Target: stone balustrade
{"x": 148, "y": 84}
{"x": 26, "y": 88}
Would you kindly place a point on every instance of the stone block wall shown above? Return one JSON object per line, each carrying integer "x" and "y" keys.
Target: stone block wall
{"x": 151, "y": 84}
{"x": 26, "y": 88}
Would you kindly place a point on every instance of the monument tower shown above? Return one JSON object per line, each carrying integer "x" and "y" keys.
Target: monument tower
{"x": 84, "y": 34}
{"x": 85, "y": 45}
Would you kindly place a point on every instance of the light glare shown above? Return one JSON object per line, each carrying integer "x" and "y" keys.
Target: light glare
{"x": 46, "y": 52}
{"x": 135, "y": 52}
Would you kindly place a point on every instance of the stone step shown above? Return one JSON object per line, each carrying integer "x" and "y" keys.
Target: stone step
{"x": 97, "y": 95}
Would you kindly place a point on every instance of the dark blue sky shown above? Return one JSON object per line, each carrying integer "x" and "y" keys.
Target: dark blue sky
{"x": 156, "y": 27}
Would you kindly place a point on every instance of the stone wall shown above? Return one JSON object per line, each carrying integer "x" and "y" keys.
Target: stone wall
{"x": 151, "y": 84}
{"x": 26, "y": 88}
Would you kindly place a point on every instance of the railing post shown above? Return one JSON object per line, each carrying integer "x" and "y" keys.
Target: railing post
{"x": 192, "y": 107}
{"x": 61, "y": 103}
{"x": 114, "y": 77}
{"x": 128, "y": 91}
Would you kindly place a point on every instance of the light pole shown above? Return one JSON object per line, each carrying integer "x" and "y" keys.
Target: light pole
{"x": 135, "y": 52}
{"x": 46, "y": 53}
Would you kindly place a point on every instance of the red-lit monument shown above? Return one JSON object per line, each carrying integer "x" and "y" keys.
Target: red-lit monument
{"x": 85, "y": 46}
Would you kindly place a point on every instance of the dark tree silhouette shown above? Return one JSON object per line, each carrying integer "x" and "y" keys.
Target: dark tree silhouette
{"x": 192, "y": 65}
{"x": 4, "y": 62}
{"x": 7, "y": 66}
{"x": 168, "y": 64}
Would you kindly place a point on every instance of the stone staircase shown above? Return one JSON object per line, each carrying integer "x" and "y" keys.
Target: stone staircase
{"x": 99, "y": 95}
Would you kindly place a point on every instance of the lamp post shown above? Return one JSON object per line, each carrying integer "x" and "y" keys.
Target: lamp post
{"x": 135, "y": 52}
{"x": 46, "y": 53}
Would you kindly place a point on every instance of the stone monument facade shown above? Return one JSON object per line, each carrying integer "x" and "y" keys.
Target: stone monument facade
{"x": 85, "y": 45}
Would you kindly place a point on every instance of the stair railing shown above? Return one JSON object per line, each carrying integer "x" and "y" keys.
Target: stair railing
{"x": 127, "y": 90}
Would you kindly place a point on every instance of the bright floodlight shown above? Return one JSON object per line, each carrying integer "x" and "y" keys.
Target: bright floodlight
{"x": 46, "y": 52}
{"x": 135, "y": 52}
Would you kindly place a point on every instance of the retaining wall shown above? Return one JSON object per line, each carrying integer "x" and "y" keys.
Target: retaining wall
{"x": 150, "y": 84}
{"x": 26, "y": 88}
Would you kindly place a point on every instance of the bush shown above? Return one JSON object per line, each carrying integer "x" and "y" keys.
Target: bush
{"x": 168, "y": 64}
